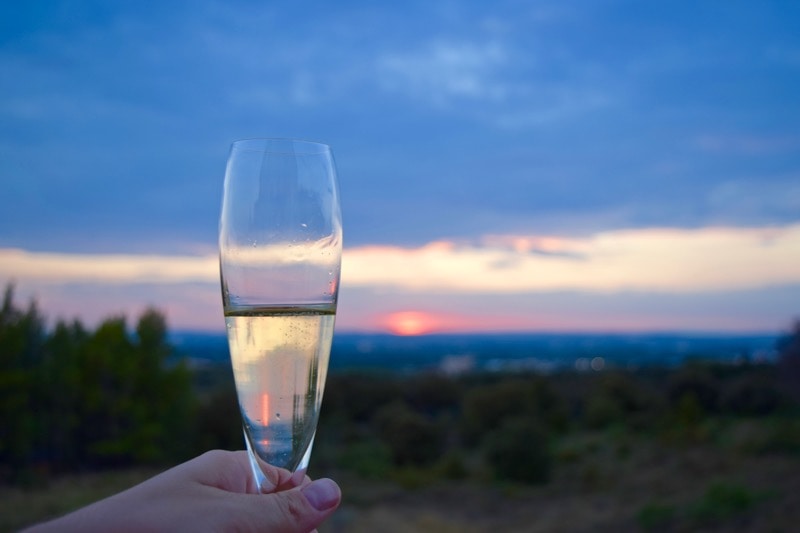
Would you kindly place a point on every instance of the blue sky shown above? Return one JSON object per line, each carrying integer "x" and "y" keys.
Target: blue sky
{"x": 477, "y": 142}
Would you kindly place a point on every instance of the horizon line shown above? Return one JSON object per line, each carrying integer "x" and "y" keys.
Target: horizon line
{"x": 543, "y": 332}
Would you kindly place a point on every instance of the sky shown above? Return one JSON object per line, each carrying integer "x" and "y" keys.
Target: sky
{"x": 503, "y": 166}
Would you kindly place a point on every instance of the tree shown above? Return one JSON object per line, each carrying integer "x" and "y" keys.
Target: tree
{"x": 519, "y": 450}
{"x": 75, "y": 398}
{"x": 60, "y": 379}
{"x": 139, "y": 405}
{"x": 21, "y": 350}
{"x": 789, "y": 361}
{"x": 165, "y": 387}
{"x": 411, "y": 437}
{"x": 485, "y": 407}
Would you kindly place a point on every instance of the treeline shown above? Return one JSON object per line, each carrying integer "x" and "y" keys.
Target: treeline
{"x": 511, "y": 427}
{"x": 72, "y": 398}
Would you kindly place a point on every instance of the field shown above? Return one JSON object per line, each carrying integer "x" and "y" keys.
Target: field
{"x": 613, "y": 484}
{"x": 610, "y": 480}
{"x": 22, "y": 506}
{"x": 700, "y": 444}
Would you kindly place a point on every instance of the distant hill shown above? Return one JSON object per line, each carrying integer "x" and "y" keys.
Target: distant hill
{"x": 456, "y": 353}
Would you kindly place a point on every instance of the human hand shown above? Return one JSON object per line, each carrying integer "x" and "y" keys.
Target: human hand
{"x": 213, "y": 492}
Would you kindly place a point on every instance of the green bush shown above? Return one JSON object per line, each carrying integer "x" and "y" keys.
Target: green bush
{"x": 789, "y": 362}
{"x": 752, "y": 395}
{"x": 412, "y": 438}
{"x": 721, "y": 502}
{"x": 358, "y": 396}
{"x": 696, "y": 381}
{"x": 219, "y": 420}
{"x": 369, "y": 459}
{"x": 621, "y": 400}
{"x": 486, "y": 407}
{"x": 519, "y": 450}
{"x": 780, "y": 435}
{"x": 655, "y": 516}
{"x": 453, "y": 466}
{"x": 72, "y": 398}
{"x": 602, "y": 411}
{"x": 432, "y": 393}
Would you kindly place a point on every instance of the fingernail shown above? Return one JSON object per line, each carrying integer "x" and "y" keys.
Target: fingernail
{"x": 322, "y": 494}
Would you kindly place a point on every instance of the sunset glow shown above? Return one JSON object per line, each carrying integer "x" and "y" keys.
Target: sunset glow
{"x": 564, "y": 180}
{"x": 654, "y": 259}
{"x": 650, "y": 259}
{"x": 407, "y": 323}
{"x": 106, "y": 268}
{"x": 389, "y": 288}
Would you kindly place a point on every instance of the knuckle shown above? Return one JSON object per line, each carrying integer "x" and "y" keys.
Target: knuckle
{"x": 295, "y": 510}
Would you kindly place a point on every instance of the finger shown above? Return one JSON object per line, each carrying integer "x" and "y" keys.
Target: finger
{"x": 275, "y": 479}
{"x": 232, "y": 471}
{"x": 323, "y": 494}
{"x": 293, "y": 511}
{"x": 296, "y": 479}
{"x": 270, "y": 478}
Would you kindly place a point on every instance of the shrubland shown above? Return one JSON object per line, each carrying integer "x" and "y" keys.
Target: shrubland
{"x": 75, "y": 399}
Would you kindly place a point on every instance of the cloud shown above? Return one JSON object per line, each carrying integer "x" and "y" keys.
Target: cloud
{"x": 443, "y": 69}
{"x": 496, "y": 118}
{"x": 108, "y": 269}
{"x": 638, "y": 279}
{"x": 509, "y": 84}
{"x": 661, "y": 260}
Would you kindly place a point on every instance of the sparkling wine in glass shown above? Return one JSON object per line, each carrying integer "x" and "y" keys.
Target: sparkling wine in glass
{"x": 280, "y": 244}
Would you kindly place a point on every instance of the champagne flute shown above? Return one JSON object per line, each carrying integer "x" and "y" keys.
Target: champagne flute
{"x": 280, "y": 244}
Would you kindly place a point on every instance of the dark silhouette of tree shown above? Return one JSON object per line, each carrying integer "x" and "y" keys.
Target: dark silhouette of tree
{"x": 74, "y": 398}
{"x": 21, "y": 349}
{"x": 485, "y": 407}
{"x": 789, "y": 361}
{"x": 62, "y": 396}
{"x": 412, "y": 438}
{"x": 519, "y": 450}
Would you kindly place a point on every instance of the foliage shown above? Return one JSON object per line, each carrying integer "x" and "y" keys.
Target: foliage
{"x": 789, "y": 361}
{"x": 218, "y": 422}
{"x": 655, "y": 516}
{"x": 698, "y": 383}
{"x": 433, "y": 393}
{"x": 753, "y": 394}
{"x": 776, "y": 435}
{"x": 369, "y": 459}
{"x": 73, "y": 398}
{"x": 721, "y": 502}
{"x": 486, "y": 407}
{"x": 360, "y": 395}
{"x": 519, "y": 450}
{"x": 411, "y": 437}
{"x": 621, "y": 399}
{"x": 507, "y": 425}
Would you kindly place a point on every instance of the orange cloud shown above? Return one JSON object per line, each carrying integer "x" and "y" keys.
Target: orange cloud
{"x": 671, "y": 260}
{"x": 659, "y": 260}
{"x": 106, "y": 268}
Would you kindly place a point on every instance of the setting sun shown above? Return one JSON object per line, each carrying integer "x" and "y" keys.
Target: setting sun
{"x": 410, "y": 323}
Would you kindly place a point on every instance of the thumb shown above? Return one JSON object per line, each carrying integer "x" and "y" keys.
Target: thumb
{"x": 298, "y": 510}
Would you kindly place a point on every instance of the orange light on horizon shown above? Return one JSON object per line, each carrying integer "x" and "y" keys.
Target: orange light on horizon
{"x": 409, "y": 323}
